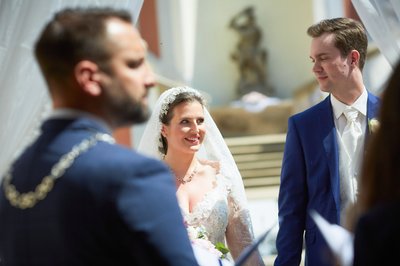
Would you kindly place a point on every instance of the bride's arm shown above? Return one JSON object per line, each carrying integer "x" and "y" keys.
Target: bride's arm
{"x": 239, "y": 233}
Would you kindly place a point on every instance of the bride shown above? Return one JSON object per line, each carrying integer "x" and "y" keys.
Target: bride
{"x": 210, "y": 189}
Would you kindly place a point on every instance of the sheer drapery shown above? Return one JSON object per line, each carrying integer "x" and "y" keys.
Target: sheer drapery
{"x": 24, "y": 101}
{"x": 382, "y": 21}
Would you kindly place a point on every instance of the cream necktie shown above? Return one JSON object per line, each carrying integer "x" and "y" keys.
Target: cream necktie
{"x": 348, "y": 166}
{"x": 352, "y": 132}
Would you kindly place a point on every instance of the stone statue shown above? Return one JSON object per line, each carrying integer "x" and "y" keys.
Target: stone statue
{"x": 249, "y": 56}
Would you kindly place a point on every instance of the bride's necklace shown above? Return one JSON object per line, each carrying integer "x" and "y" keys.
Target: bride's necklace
{"x": 29, "y": 199}
{"x": 189, "y": 178}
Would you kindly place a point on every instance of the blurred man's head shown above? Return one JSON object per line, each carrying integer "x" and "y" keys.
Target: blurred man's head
{"x": 95, "y": 60}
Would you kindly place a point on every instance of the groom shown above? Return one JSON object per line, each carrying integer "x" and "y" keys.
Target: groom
{"x": 317, "y": 172}
{"x": 73, "y": 197}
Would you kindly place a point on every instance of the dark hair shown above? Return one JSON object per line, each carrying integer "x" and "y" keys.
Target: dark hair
{"x": 349, "y": 35}
{"x": 380, "y": 180}
{"x": 73, "y": 35}
{"x": 166, "y": 117}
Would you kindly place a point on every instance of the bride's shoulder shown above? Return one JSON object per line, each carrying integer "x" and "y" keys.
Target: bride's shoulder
{"x": 215, "y": 168}
{"x": 214, "y": 165}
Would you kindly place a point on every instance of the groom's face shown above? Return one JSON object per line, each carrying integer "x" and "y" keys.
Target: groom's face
{"x": 129, "y": 78}
{"x": 330, "y": 67}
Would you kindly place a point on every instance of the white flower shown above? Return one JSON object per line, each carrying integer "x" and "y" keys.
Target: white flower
{"x": 206, "y": 244}
{"x": 373, "y": 125}
{"x": 198, "y": 232}
{"x": 198, "y": 237}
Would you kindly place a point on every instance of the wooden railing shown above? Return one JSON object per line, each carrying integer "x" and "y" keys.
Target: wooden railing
{"x": 259, "y": 158}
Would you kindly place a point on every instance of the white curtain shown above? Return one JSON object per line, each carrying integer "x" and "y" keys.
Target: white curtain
{"x": 382, "y": 21}
{"x": 188, "y": 17}
{"x": 24, "y": 101}
{"x": 177, "y": 25}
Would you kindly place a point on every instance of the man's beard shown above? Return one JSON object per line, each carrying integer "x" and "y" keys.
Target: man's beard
{"x": 122, "y": 109}
{"x": 128, "y": 112}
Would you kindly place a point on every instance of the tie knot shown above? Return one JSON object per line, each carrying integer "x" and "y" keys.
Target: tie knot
{"x": 350, "y": 113}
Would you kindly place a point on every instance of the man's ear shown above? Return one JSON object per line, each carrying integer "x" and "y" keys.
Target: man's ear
{"x": 355, "y": 57}
{"x": 86, "y": 74}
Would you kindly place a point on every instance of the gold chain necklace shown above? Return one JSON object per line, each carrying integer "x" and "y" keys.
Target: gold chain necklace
{"x": 189, "y": 178}
{"x": 29, "y": 199}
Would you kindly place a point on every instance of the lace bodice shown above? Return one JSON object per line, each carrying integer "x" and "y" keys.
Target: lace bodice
{"x": 212, "y": 212}
{"x": 224, "y": 220}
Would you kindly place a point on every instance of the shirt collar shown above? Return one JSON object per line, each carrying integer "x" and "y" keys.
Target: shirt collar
{"x": 360, "y": 104}
{"x": 68, "y": 113}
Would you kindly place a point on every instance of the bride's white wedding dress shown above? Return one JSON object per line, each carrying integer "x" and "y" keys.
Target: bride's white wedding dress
{"x": 222, "y": 212}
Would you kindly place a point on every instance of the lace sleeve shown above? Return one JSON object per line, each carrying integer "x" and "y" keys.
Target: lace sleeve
{"x": 239, "y": 233}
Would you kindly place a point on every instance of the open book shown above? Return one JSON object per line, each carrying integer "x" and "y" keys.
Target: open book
{"x": 339, "y": 240}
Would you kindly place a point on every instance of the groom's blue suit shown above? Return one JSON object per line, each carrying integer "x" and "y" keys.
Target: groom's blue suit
{"x": 310, "y": 181}
{"x": 111, "y": 207}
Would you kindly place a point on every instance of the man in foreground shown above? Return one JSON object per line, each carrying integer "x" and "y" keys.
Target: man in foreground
{"x": 74, "y": 197}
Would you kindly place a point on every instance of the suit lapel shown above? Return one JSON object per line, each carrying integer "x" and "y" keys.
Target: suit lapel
{"x": 372, "y": 109}
{"x": 372, "y": 106}
{"x": 330, "y": 146}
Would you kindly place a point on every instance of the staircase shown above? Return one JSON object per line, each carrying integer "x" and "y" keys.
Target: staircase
{"x": 259, "y": 159}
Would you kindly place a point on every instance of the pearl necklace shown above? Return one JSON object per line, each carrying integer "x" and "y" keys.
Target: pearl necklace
{"x": 29, "y": 199}
{"x": 189, "y": 178}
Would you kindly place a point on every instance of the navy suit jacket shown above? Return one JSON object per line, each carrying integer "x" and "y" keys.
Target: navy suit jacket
{"x": 111, "y": 207}
{"x": 310, "y": 181}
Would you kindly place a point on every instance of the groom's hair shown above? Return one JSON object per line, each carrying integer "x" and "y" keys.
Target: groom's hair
{"x": 74, "y": 35}
{"x": 349, "y": 35}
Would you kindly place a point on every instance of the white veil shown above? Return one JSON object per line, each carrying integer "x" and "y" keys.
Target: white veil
{"x": 382, "y": 21}
{"x": 214, "y": 147}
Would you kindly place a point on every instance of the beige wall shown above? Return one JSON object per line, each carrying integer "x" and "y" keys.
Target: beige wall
{"x": 283, "y": 24}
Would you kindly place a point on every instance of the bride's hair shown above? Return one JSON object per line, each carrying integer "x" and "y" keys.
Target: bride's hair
{"x": 167, "y": 111}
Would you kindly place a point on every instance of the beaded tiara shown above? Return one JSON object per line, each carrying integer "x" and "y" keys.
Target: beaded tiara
{"x": 171, "y": 98}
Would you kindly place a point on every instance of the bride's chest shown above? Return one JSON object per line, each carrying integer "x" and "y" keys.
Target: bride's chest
{"x": 211, "y": 208}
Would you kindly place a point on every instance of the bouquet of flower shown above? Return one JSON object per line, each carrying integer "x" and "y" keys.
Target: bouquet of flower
{"x": 198, "y": 236}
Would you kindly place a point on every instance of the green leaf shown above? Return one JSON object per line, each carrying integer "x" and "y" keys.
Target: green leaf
{"x": 221, "y": 247}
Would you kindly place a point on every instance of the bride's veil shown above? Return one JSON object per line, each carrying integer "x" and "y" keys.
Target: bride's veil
{"x": 214, "y": 147}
